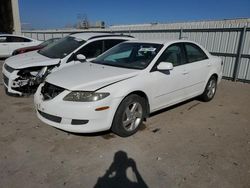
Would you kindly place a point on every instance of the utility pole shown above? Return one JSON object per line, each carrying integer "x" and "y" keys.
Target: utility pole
{"x": 16, "y": 17}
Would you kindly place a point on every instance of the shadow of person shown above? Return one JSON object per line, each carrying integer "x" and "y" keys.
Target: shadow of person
{"x": 116, "y": 175}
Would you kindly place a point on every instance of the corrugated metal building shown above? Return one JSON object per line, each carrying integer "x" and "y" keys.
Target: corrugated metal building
{"x": 229, "y": 39}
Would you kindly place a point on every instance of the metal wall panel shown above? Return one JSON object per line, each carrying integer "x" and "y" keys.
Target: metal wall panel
{"x": 228, "y": 66}
{"x": 246, "y": 48}
{"x": 244, "y": 72}
{"x": 217, "y": 36}
{"x": 40, "y": 36}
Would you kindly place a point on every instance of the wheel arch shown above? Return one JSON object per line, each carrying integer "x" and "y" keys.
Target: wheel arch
{"x": 210, "y": 75}
{"x": 138, "y": 93}
{"x": 215, "y": 75}
{"x": 141, "y": 94}
{"x": 204, "y": 96}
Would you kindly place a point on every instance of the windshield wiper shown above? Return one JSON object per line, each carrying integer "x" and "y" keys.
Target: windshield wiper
{"x": 121, "y": 66}
{"x": 114, "y": 65}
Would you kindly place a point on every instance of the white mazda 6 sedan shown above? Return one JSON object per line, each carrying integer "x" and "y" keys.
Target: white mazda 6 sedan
{"x": 119, "y": 89}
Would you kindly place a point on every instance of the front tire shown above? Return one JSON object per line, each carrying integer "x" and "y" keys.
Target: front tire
{"x": 210, "y": 90}
{"x": 129, "y": 116}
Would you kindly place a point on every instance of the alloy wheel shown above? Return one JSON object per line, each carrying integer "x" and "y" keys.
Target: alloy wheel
{"x": 211, "y": 88}
{"x": 132, "y": 116}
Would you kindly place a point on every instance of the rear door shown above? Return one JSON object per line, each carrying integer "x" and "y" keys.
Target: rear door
{"x": 4, "y": 46}
{"x": 196, "y": 69}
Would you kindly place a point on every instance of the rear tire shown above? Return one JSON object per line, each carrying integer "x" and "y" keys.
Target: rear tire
{"x": 210, "y": 89}
{"x": 129, "y": 116}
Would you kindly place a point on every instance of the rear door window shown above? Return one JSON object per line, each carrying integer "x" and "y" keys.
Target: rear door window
{"x": 17, "y": 39}
{"x": 194, "y": 53}
{"x": 3, "y": 39}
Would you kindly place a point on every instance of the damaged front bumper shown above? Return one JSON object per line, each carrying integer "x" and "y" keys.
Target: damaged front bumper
{"x": 17, "y": 84}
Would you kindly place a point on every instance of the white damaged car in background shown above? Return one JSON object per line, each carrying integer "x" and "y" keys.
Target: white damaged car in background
{"x": 23, "y": 73}
{"x": 120, "y": 88}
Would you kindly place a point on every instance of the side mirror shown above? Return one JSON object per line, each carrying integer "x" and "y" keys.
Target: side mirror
{"x": 81, "y": 58}
{"x": 165, "y": 66}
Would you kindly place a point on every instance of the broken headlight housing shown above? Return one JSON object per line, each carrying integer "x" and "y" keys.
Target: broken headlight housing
{"x": 42, "y": 72}
{"x": 30, "y": 78}
{"x": 29, "y": 72}
{"x": 85, "y": 96}
{"x": 34, "y": 75}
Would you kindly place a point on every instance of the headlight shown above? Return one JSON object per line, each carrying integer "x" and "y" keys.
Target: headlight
{"x": 85, "y": 96}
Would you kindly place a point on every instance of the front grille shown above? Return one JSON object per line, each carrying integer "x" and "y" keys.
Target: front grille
{"x": 8, "y": 68}
{"x": 5, "y": 80}
{"x": 50, "y": 117}
{"x": 49, "y": 91}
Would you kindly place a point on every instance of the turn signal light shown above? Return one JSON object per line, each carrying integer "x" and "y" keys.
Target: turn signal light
{"x": 102, "y": 108}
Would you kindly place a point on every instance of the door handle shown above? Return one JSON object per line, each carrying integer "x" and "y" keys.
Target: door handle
{"x": 185, "y": 72}
{"x": 4, "y": 44}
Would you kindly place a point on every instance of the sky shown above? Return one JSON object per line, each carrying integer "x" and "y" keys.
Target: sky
{"x": 52, "y": 14}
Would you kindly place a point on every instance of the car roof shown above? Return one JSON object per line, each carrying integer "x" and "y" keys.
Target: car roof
{"x": 164, "y": 42}
{"x": 92, "y": 35}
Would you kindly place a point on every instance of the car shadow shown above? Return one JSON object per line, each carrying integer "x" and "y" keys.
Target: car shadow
{"x": 116, "y": 174}
{"x": 173, "y": 107}
{"x": 102, "y": 133}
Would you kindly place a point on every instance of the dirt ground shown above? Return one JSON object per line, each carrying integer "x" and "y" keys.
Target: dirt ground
{"x": 191, "y": 145}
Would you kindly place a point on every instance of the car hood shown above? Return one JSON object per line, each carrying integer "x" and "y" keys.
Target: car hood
{"x": 30, "y": 59}
{"x": 89, "y": 76}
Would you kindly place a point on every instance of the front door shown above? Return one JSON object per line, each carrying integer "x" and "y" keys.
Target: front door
{"x": 168, "y": 86}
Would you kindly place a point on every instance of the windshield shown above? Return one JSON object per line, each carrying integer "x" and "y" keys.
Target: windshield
{"x": 129, "y": 55}
{"x": 62, "y": 47}
{"x": 47, "y": 42}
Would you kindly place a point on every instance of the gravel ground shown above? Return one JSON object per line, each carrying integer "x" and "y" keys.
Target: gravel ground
{"x": 191, "y": 145}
